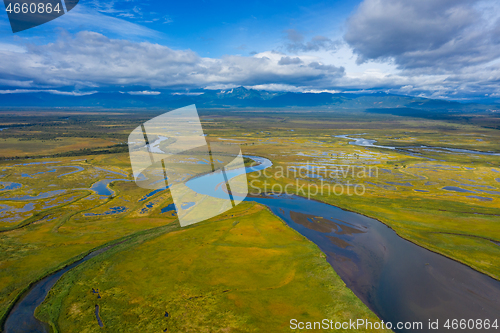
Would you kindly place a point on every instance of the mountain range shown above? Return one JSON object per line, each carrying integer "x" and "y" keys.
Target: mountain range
{"x": 239, "y": 98}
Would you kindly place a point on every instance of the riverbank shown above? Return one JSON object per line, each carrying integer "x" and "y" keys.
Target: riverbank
{"x": 244, "y": 270}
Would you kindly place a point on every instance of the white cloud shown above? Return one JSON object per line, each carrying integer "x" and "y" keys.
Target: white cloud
{"x": 91, "y": 59}
{"x": 144, "y": 92}
{"x": 93, "y": 20}
{"x": 276, "y": 87}
{"x": 318, "y": 91}
{"x": 296, "y": 42}
{"x": 432, "y": 48}
{"x": 12, "y": 48}
{"x": 49, "y": 91}
{"x": 426, "y": 35}
{"x": 459, "y": 59}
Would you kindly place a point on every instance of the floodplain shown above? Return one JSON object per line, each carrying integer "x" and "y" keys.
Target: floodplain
{"x": 436, "y": 183}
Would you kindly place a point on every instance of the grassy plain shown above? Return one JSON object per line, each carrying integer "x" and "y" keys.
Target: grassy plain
{"x": 271, "y": 272}
{"x": 244, "y": 272}
{"x": 408, "y": 191}
{"x": 25, "y": 133}
{"x": 16, "y": 147}
{"x": 251, "y": 270}
{"x": 40, "y": 235}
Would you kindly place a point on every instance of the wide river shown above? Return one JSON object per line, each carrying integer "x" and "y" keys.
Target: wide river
{"x": 398, "y": 280}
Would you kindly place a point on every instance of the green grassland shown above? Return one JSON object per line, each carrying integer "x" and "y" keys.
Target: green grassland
{"x": 274, "y": 268}
{"x": 17, "y": 147}
{"x": 55, "y": 231}
{"x": 43, "y": 133}
{"x": 242, "y": 272}
{"x": 451, "y": 223}
{"x": 251, "y": 270}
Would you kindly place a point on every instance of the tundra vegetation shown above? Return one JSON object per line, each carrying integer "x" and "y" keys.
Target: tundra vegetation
{"x": 244, "y": 270}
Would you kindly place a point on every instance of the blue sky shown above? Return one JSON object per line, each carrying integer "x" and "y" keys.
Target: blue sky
{"x": 209, "y": 29}
{"x": 432, "y": 48}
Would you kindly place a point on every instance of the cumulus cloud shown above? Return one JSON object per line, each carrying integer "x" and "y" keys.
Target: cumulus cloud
{"x": 296, "y": 42}
{"x": 289, "y": 61}
{"x": 439, "y": 48}
{"x": 467, "y": 84}
{"x": 426, "y": 35}
{"x": 144, "y": 92}
{"x": 89, "y": 59}
{"x": 326, "y": 68}
{"x": 50, "y": 91}
{"x": 97, "y": 20}
{"x": 276, "y": 87}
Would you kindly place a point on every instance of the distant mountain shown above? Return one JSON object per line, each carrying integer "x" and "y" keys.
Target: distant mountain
{"x": 100, "y": 99}
{"x": 241, "y": 98}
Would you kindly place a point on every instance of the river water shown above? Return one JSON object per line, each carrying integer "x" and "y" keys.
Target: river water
{"x": 21, "y": 318}
{"x": 371, "y": 143}
{"x": 398, "y": 280}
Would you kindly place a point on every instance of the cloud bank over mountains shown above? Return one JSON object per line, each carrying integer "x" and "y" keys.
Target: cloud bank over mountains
{"x": 90, "y": 59}
{"x": 432, "y": 48}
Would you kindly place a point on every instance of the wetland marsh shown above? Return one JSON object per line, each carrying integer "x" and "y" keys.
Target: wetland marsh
{"x": 58, "y": 214}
